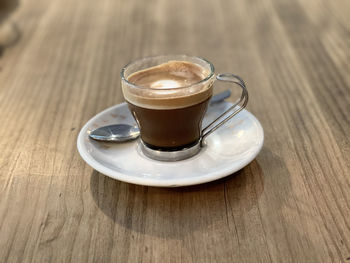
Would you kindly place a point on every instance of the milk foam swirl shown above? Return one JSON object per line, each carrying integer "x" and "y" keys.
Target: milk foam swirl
{"x": 171, "y": 85}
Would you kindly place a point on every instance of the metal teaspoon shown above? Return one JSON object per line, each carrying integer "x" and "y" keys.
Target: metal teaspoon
{"x": 126, "y": 132}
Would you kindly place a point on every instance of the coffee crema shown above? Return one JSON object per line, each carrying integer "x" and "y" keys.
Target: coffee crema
{"x": 171, "y": 85}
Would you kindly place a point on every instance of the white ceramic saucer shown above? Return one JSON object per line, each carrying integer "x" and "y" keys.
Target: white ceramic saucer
{"x": 227, "y": 150}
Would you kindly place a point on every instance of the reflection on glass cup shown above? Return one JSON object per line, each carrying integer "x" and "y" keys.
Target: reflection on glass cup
{"x": 168, "y": 97}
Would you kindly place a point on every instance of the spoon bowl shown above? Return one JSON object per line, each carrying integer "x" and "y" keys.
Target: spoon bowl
{"x": 115, "y": 133}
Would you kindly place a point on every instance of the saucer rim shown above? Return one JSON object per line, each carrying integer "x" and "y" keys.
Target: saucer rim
{"x": 211, "y": 176}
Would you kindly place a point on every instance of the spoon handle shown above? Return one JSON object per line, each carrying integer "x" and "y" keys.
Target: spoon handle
{"x": 220, "y": 97}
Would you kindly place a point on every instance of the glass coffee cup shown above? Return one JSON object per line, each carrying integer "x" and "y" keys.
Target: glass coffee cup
{"x": 168, "y": 97}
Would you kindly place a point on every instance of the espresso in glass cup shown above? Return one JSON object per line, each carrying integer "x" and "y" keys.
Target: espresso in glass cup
{"x": 168, "y": 97}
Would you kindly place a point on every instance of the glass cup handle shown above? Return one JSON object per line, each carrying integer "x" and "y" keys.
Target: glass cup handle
{"x": 233, "y": 110}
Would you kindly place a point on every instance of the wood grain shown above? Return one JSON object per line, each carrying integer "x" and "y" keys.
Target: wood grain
{"x": 291, "y": 204}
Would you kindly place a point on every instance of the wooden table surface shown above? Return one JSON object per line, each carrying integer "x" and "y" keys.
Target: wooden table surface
{"x": 291, "y": 204}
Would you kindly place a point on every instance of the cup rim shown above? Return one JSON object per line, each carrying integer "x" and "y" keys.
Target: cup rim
{"x": 210, "y": 75}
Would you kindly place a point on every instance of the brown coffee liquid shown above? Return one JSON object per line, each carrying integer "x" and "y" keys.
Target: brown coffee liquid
{"x": 169, "y": 119}
{"x": 170, "y": 130}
